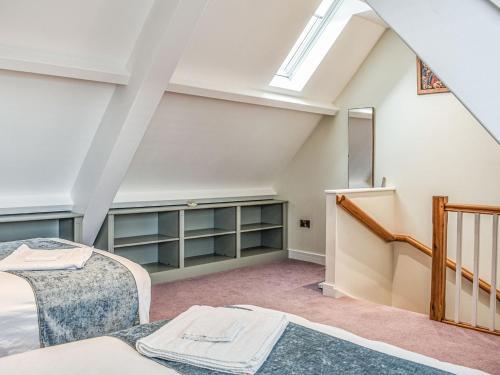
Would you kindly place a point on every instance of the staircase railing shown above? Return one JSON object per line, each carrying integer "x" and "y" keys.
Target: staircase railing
{"x": 440, "y": 210}
{"x": 438, "y": 253}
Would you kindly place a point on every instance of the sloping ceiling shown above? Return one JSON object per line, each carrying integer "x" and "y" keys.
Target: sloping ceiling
{"x": 47, "y": 125}
{"x": 194, "y": 145}
{"x": 100, "y": 30}
{"x": 465, "y": 31}
{"x": 243, "y": 43}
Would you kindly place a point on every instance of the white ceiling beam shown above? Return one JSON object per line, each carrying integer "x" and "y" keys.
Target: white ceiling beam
{"x": 262, "y": 98}
{"x": 156, "y": 54}
{"x": 26, "y": 60}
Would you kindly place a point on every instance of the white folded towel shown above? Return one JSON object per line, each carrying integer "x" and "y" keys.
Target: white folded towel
{"x": 244, "y": 355}
{"x": 26, "y": 259}
{"x": 218, "y": 325}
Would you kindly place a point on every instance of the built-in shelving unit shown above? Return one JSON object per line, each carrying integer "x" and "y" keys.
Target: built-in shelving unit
{"x": 174, "y": 242}
{"x": 66, "y": 225}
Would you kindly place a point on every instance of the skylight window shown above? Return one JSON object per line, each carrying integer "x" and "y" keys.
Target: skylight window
{"x": 315, "y": 41}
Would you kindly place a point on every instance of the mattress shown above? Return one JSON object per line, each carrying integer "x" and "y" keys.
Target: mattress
{"x": 108, "y": 355}
{"x": 19, "y": 331}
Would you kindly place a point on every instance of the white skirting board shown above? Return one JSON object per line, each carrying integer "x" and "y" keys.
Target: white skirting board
{"x": 306, "y": 256}
{"x": 329, "y": 290}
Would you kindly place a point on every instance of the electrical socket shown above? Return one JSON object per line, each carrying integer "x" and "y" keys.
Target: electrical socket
{"x": 305, "y": 223}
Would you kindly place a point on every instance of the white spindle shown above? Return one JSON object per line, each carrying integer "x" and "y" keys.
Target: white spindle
{"x": 458, "y": 272}
{"x": 475, "y": 282}
{"x": 494, "y": 260}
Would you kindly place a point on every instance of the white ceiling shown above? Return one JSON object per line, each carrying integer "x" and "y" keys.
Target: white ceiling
{"x": 101, "y": 30}
{"x": 193, "y": 143}
{"x": 241, "y": 44}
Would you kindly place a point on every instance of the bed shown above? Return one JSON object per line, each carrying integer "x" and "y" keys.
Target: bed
{"x": 115, "y": 354}
{"x": 23, "y": 322}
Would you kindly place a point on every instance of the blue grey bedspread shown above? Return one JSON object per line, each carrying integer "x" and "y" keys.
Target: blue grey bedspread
{"x": 72, "y": 305}
{"x": 303, "y": 351}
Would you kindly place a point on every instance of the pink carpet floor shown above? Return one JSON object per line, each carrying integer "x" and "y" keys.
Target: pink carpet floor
{"x": 290, "y": 286}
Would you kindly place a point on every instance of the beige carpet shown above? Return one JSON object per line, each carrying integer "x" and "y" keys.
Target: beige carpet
{"x": 291, "y": 286}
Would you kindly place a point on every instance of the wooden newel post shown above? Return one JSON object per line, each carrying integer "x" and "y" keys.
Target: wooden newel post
{"x": 439, "y": 256}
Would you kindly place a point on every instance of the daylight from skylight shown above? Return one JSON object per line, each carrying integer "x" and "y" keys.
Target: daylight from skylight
{"x": 315, "y": 41}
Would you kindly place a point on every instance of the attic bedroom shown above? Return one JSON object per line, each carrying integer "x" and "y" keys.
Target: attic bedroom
{"x": 249, "y": 187}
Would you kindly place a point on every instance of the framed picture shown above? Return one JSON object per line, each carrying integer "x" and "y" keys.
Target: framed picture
{"x": 427, "y": 81}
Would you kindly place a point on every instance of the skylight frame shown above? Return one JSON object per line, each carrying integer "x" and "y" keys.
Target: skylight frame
{"x": 309, "y": 37}
{"x": 294, "y": 75}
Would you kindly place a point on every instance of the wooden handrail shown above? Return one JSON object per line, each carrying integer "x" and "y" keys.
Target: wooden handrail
{"x": 366, "y": 219}
{"x": 369, "y": 222}
{"x": 473, "y": 209}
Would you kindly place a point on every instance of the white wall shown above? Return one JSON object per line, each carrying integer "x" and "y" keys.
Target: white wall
{"x": 425, "y": 145}
{"x": 358, "y": 263}
{"x": 47, "y": 125}
{"x": 459, "y": 42}
{"x": 197, "y": 147}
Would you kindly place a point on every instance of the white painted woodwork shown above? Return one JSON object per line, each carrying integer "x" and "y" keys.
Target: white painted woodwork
{"x": 131, "y": 108}
{"x": 360, "y": 190}
{"x": 494, "y": 264}
{"x": 458, "y": 272}
{"x": 465, "y": 31}
{"x": 267, "y": 99}
{"x": 358, "y": 263}
{"x": 59, "y": 65}
{"x": 475, "y": 281}
{"x": 206, "y": 148}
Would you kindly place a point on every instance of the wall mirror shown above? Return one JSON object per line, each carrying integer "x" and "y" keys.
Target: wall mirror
{"x": 361, "y": 147}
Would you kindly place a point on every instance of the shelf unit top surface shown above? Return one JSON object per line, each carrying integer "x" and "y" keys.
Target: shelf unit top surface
{"x": 125, "y": 211}
{"x": 39, "y": 216}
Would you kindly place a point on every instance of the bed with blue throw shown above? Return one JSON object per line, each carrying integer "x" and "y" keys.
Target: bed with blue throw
{"x": 304, "y": 348}
{"x": 50, "y": 307}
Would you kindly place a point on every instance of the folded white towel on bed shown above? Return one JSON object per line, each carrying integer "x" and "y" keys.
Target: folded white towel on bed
{"x": 26, "y": 259}
{"x": 244, "y": 355}
{"x": 218, "y": 325}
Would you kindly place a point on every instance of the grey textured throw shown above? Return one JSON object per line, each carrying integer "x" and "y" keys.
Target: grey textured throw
{"x": 302, "y": 351}
{"x": 72, "y": 305}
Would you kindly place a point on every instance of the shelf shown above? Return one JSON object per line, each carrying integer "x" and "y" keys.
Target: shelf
{"x": 179, "y": 241}
{"x": 142, "y": 240}
{"x": 157, "y": 267}
{"x": 204, "y": 259}
{"x": 258, "y": 250}
{"x": 200, "y": 233}
{"x": 259, "y": 226}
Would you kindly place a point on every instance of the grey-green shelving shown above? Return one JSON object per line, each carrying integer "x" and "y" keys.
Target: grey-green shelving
{"x": 66, "y": 225}
{"x": 175, "y": 242}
